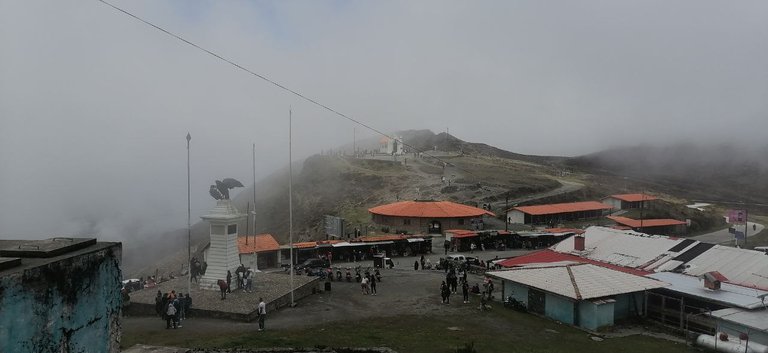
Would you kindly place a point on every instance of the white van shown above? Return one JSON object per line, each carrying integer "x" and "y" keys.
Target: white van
{"x": 457, "y": 258}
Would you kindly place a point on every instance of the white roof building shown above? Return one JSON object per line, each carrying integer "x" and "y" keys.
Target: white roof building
{"x": 729, "y": 294}
{"x": 578, "y": 281}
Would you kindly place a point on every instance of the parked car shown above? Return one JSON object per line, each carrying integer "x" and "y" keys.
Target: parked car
{"x": 457, "y": 258}
{"x": 310, "y": 266}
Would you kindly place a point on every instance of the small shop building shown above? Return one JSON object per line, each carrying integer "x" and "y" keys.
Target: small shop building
{"x": 557, "y": 213}
{"x": 660, "y": 226}
{"x": 259, "y": 251}
{"x": 427, "y": 217}
{"x": 629, "y": 201}
{"x": 579, "y": 294}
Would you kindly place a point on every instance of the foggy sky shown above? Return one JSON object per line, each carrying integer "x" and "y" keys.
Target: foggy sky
{"x": 94, "y": 105}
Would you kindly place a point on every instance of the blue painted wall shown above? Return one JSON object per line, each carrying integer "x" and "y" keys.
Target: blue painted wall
{"x": 624, "y": 308}
{"x": 594, "y": 316}
{"x": 71, "y": 305}
{"x": 559, "y": 308}
{"x": 517, "y": 291}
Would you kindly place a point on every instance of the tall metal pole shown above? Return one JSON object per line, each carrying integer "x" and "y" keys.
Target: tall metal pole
{"x": 506, "y": 209}
{"x": 189, "y": 222}
{"x": 290, "y": 199}
{"x": 254, "y": 188}
{"x": 746, "y": 226}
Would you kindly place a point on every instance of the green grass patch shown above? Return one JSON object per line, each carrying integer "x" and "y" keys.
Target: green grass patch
{"x": 500, "y": 330}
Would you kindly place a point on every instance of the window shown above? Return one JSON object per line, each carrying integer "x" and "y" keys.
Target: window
{"x": 232, "y": 229}
{"x": 407, "y": 222}
{"x": 461, "y": 221}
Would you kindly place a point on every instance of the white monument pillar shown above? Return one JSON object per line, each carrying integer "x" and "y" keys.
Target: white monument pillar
{"x": 223, "y": 253}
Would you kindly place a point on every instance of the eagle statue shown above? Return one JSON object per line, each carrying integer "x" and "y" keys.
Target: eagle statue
{"x": 220, "y": 191}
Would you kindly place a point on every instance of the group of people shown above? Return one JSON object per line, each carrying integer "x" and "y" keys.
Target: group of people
{"x": 173, "y": 307}
{"x": 368, "y": 284}
{"x": 425, "y": 264}
{"x": 244, "y": 281}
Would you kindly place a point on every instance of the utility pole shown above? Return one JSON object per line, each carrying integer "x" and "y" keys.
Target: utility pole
{"x": 189, "y": 222}
{"x": 290, "y": 200}
{"x": 506, "y": 209}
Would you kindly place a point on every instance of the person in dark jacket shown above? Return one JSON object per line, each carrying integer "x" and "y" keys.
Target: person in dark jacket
{"x": 229, "y": 281}
{"x": 159, "y": 303}
{"x": 223, "y": 288}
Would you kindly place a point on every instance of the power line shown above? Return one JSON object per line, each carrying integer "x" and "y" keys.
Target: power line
{"x": 279, "y": 85}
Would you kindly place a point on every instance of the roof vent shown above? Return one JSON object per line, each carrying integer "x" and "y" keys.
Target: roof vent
{"x": 578, "y": 243}
{"x": 713, "y": 279}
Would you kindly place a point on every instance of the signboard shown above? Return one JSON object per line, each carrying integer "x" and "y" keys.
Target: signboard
{"x": 334, "y": 226}
{"x": 737, "y": 216}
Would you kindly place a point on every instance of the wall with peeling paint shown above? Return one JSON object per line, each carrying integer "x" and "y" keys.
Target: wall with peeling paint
{"x": 69, "y": 305}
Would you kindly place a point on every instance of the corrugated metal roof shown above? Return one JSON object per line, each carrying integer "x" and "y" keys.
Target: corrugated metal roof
{"x": 636, "y": 223}
{"x": 728, "y": 294}
{"x": 621, "y": 247}
{"x": 556, "y": 208}
{"x": 429, "y": 209}
{"x": 757, "y": 319}
{"x": 741, "y": 266}
{"x": 582, "y": 281}
{"x": 633, "y": 197}
{"x": 549, "y": 256}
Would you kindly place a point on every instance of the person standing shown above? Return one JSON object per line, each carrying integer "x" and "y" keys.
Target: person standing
{"x": 262, "y": 310}
{"x": 416, "y": 266}
{"x": 159, "y": 303}
{"x": 223, "y": 288}
{"x": 445, "y": 292}
{"x": 373, "y": 285}
{"x": 422, "y": 262}
{"x": 465, "y": 291}
{"x": 229, "y": 281}
{"x": 170, "y": 316}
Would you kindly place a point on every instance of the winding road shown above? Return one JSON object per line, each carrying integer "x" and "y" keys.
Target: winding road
{"x": 723, "y": 236}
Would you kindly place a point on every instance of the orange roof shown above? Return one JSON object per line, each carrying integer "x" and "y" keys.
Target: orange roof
{"x": 633, "y": 197}
{"x": 429, "y": 209}
{"x": 636, "y": 223}
{"x": 563, "y": 208}
{"x": 258, "y": 243}
{"x": 460, "y": 231}
{"x": 306, "y": 244}
{"x": 565, "y": 230}
{"x": 385, "y": 237}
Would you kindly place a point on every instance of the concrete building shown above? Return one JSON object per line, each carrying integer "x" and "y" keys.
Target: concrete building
{"x": 428, "y": 216}
{"x": 391, "y": 146}
{"x": 579, "y": 294}
{"x": 629, "y": 201}
{"x": 259, "y": 251}
{"x": 60, "y": 295}
{"x": 222, "y": 255}
{"x": 557, "y": 213}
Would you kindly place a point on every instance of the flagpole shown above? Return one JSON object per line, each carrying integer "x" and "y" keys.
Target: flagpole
{"x": 189, "y": 223}
{"x": 254, "y": 205}
{"x": 290, "y": 200}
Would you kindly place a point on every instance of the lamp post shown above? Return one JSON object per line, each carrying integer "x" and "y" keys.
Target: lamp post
{"x": 189, "y": 223}
{"x": 506, "y": 209}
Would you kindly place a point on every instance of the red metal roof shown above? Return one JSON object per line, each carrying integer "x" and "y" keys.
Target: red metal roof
{"x": 564, "y": 230}
{"x": 636, "y": 223}
{"x": 563, "y": 208}
{"x": 429, "y": 209}
{"x": 258, "y": 243}
{"x": 634, "y": 197}
{"x": 548, "y": 255}
{"x": 305, "y": 245}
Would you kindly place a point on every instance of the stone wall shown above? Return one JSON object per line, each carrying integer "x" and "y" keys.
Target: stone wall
{"x": 69, "y": 305}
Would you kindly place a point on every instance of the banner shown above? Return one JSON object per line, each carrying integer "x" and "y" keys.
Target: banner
{"x": 737, "y": 216}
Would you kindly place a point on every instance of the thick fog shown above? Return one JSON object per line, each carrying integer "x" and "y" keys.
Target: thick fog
{"x": 95, "y": 105}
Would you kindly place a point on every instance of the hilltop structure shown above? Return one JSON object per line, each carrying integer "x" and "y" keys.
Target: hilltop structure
{"x": 222, "y": 255}
{"x": 428, "y": 216}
